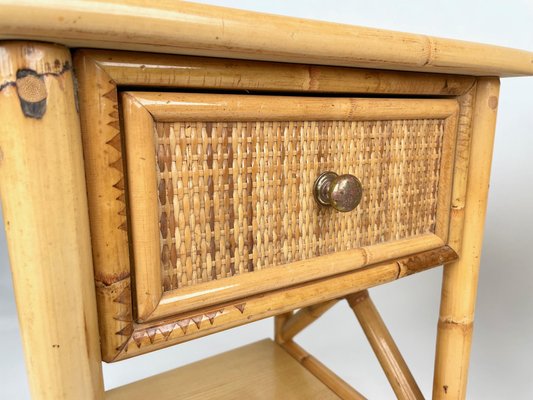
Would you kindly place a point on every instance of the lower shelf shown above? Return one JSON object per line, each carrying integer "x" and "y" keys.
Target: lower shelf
{"x": 261, "y": 370}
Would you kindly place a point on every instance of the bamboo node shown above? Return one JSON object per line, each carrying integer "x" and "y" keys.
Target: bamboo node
{"x": 464, "y": 327}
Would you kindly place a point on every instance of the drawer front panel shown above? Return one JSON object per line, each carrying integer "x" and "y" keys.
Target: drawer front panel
{"x": 236, "y": 197}
{"x": 142, "y": 199}
{"x": 221, "y": 190}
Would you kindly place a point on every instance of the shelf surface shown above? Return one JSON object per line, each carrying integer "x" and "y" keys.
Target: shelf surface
{"x": 258, "y": 371}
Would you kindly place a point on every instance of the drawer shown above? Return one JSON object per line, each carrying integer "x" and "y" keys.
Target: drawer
{"x": 200, "y": 176}
{"x": 220, "y": 190}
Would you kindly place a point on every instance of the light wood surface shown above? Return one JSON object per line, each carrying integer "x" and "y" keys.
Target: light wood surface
{"x": 146, "y": 69}
{"x": 446, "y": 175}
{"x": 279, "y": 321}
{"x": 460, "y": 279}
{"x": 142, "y": 338}
{"x": 186, "y": 28}
{"x": 44, "y": 202}
{"x": 106, "y": 192}
{"x": 390, "y": 358}
{"x": 213, "y": 292}
{"x": 328, "y": 377}
{"x": 143, "y": 208}
{"x": 170, "y": 107}
{"x": 261, "y": 370}
{"x": 460, "y": 173}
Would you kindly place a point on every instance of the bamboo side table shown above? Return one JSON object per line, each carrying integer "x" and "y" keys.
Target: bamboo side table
{"x": 170, "y": 171}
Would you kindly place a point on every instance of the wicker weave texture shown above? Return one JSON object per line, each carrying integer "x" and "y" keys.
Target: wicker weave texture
{"x": 236, "y": 197}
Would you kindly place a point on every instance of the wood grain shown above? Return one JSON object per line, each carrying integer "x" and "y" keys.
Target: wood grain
{"x": 261, "y": 370}
{"x": 146, "y": 70}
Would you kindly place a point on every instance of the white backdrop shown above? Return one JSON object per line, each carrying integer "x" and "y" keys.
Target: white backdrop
{"x": 503, "y": 335}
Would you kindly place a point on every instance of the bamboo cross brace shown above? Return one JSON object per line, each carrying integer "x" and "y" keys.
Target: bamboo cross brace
{"x": 304, "y": 317}
{"x": 328, "y": 377}
{"x": 390, "y": 358}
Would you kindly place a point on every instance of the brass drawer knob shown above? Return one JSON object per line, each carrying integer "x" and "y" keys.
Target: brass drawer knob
{"x": 342, "y": 192}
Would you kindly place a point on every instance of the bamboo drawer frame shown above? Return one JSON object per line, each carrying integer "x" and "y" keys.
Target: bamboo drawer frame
{"x": 143, "y": 110}
{"x": 64, "y": 183}
{"x": 106, "y": 178}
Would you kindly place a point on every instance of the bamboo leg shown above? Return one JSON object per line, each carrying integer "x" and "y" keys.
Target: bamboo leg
{"x": 387, "y": 352}
{"x": 42, "y": 187}
{"x": 279, "y": 321}
{"x": 460, "y": 279}
{"x": 296, "y": 323}
{"x": 328, "y": 377}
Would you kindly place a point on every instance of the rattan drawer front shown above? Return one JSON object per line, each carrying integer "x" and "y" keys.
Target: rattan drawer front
{"x": 236, "y": 197}
{"x": 220, "y": 190}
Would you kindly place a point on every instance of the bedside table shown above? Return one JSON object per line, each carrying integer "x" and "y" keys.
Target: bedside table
{"x": 159, "y": 187}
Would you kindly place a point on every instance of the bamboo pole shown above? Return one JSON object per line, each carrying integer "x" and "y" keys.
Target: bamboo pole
{"x": 460, "y": 174}
{"x": 182, "y": 327}
{"x": 136, "y": 69}
{"x": 390, "y": 358}
{"x": 177, "y": 27}
{"x": 42, "y": 187}
{"x": 143, "y": 206}
{"x": 169, "y": 107}
{"x": 215, "y": 292}
{"x": 328, "y": 377}
{"x": 279, "y": 321}
{"x": 460, "y": 279}
{"x": 302, "y": 319}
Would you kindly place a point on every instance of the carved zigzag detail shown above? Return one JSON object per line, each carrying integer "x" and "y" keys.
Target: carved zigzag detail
{"x": 116, "y": 143}
{"x": 112, "y": 94}
{"x": 124, "y": 316}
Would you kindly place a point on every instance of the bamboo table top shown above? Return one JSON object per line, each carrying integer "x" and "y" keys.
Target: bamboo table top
{"x": 194, "y": 29}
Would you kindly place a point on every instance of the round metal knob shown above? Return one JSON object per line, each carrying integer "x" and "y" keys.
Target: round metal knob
{"x": 342, "y": 192}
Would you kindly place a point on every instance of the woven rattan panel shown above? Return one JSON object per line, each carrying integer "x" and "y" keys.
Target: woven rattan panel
{"x": 236, "y": 197}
